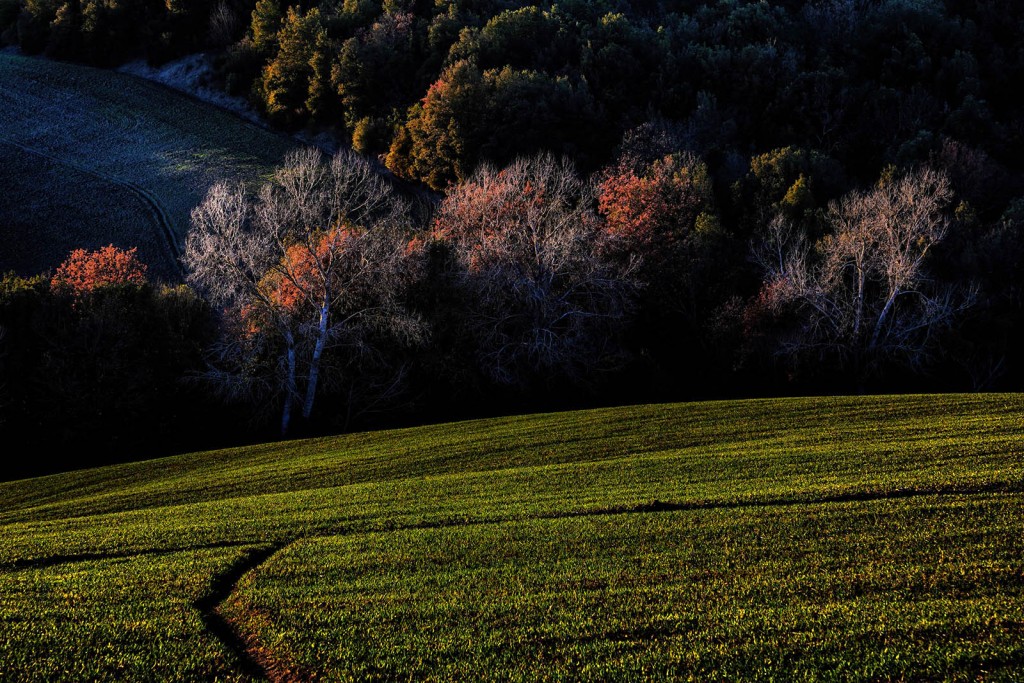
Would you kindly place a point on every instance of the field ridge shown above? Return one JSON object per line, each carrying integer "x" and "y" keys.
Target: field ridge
{"x": 653, "y": 507}
{"x": 143, "y": 156}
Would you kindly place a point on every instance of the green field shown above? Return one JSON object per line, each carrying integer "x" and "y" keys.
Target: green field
{"x": 796, "y": 539}
{"x": 93, "y": 157}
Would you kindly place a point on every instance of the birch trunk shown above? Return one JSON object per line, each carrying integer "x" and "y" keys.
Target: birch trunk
{"x": 290, "y": 388}
{"x": 318, "y": 350}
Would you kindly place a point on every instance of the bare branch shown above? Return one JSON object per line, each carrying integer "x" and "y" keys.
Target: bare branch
{"x": 529, "y": 249}
{"x": 316, "y": 263}
{"x": 863, "y": 295}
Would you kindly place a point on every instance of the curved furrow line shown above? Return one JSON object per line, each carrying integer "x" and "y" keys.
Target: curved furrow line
{"x": 73, "y": 558}
{"x": 151, "y": 202}
{"x": 221, "y": 588}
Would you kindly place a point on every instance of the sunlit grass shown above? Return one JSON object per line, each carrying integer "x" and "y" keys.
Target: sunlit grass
{"x": 872, "y": 590}
{"x": 867, "y": 538}
{"x": 127, "y": 618}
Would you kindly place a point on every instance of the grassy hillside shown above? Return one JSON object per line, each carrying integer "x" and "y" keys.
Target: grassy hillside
{"x": 853, "y": 538}
{"x": 93, "y": 157}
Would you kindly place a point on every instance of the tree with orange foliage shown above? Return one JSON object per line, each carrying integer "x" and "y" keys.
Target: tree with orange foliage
{"x": 469, "y": 116}
{"x": 317, "y": 261}
{"x": 659, "y": 206}
{"x": 84, "y": 271}
{"x": 648, "y": 207}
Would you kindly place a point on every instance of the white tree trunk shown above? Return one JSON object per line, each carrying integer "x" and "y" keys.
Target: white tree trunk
{"x": 290, "y": 388}
{"x": 318, "y": 350}
{"x": 882, "y": 318}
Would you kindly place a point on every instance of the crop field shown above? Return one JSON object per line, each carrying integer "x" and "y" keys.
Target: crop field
{"x": 867, "y": 538}
{"x": 93, "y": 157}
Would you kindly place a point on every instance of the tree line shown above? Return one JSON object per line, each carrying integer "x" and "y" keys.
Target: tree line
{"x": 533, "y": 278}
{"x": 323, "y": 300}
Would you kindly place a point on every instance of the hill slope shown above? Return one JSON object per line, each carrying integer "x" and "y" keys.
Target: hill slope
{"x": 92, "y": 157}
{"x": 866, "y": 538}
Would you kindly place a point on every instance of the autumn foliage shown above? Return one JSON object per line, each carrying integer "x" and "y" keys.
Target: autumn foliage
{"x": 648, "y": 207}
{"x": 312, "y": 272}
{"x": 84, "y": 271}
{"x": 298, "y": 280}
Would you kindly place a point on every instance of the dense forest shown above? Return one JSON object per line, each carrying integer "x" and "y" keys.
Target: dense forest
{"x": 618, "y": 202}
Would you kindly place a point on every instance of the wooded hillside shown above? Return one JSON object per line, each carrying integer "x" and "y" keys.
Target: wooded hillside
{"x": 628, "y": 201}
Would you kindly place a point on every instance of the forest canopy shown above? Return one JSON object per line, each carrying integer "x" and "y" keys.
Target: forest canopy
{"x": 438, "y": 87}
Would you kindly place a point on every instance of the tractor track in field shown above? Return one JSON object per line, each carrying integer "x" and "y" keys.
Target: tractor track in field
{"x": 255, "y": 662}
{"x": 221, "y": 588}
{"x": 151, "y": 202}
{"x": 653, "y": 507}
{"x": 658, "y": 506}
{"x": 784, "y": 501}
{"x": 222, "y": 585}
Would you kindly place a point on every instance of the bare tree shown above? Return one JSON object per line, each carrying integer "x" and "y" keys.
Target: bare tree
{"x": 317, "y": 261}
{"x": 530, "y": 251}
{"x": 224, "y": 25}
{"x": 863, "y": 294}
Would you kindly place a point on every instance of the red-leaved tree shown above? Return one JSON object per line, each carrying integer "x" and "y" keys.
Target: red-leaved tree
{"x": 84, "y": 271}
{"x": 649, "y": 208}
{"x": 660, "y": 208}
